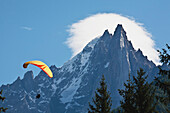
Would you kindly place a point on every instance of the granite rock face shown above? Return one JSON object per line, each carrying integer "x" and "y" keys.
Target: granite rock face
{"x": 74, "y": 84}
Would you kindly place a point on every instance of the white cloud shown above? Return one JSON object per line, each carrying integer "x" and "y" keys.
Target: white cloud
{"x": 93, "y": 26}
{"x": 26, "y": 28}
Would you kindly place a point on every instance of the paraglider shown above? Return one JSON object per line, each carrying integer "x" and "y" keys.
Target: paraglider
{"x": 38, "y": 96}
{"x": 41, "y": 65}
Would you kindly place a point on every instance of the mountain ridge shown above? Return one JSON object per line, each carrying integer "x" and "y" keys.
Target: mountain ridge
{"x": 74, "y": 84}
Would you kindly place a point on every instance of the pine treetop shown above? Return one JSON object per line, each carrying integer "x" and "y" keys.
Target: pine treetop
{"x": 102, "y": 100}
{"x": 138, "y": 95}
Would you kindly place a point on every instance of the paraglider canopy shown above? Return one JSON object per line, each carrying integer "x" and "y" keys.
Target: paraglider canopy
{"x": 41, "y": 65}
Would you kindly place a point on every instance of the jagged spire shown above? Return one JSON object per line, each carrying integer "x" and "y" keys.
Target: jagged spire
{"x": 106, "y": 32}
{"x": 120, "y": 36}
{"x": 28, "y": 75}
{"x": 105, "y": 35}
{"x": 139, "y": 51}
{"x": 119, "y": 30}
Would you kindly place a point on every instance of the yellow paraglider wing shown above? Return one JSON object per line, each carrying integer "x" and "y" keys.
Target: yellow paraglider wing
{"x": 41, "y": 65}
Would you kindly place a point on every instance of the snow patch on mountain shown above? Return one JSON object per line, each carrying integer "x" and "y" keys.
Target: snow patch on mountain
{"x": 78, "y": 97}
{"x": 41, "y": 85}
{"x": 122, "y": 41}
{"x": 54, "y": 87}
{"x": 59, "y": 80}
{"x": 84, "y": 58}
{"x": 106, "y": 65}
{"x": 69, "y": 92}
{"x": 93, "y": 43}
{"x": 31, "y": 99}
{"x": 85, "y": 70}
{"x": 55, "y": 83}
{"x": 127, "y": 56}
{"x": 68, "y": 66}
{"x": 85, "y": 55}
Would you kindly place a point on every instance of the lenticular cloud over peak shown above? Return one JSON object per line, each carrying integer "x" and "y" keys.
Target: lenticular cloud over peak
{"x": 82, "y": 32}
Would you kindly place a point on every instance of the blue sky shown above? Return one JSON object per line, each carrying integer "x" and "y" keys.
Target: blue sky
{"x": 38, "y": 29}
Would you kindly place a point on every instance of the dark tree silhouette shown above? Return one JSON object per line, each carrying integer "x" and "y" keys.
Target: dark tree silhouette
{"x": 128, "y": 97}
{"x": 2, "y": 109}
{"x": 163, "y": 81}
{"x": 138, "y": 95}
{"x": 165, "y": 59}
{"x": 102, "y": 101}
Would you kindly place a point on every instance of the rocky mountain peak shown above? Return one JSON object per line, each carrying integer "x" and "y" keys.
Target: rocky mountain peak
{"x": 119, "y": 31}
{"x": 106, "y": 32}
{"x": 74, "y": 84}
{"x": 28, "y": 75}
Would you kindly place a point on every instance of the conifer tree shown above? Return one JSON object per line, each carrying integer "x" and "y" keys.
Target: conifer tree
{"x": 163, "y": 81}
{"x": 102, "y": 100}
{"x": 2, "y": 109}
{"x": 165, "y": 59}
{"x": 144, "y": 94}
{"x": 128, "y": 95}
{"x": 138, "y": 95}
